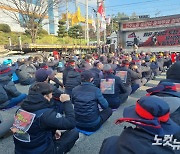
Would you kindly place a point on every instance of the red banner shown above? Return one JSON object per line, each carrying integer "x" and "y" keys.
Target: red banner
{"x": 152, "y": 23}
{"x": 168, "y": 37}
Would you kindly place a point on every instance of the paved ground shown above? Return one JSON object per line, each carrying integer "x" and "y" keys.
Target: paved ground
{"x": 91, "y": 144}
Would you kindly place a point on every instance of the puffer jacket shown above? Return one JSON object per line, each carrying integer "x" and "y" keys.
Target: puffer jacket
{"x": 86, "y": 98}
{"x": 65, "y": 73}
{"x": 46, "y": 121}
{"x": 7, "y": 90}
{"x": 73, "y": 79}
{"x": 25, "y": 72}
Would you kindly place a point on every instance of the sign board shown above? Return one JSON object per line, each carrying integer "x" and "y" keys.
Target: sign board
{"x": 154, "y": 38}
{"x": 107, "y": 86}
{"x": 166, "y": 22}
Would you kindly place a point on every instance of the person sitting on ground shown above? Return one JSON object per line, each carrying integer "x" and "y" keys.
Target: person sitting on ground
{"x": 71, "y": 77}
{"x": 147, "y": 73}
{"x": 150, "y": 115}
{"x": 136, "y": 77}
{"x": 42, "y": 133}
{"x": 26, "y": 72}
{"x": 97, "y": 72}
{"x": 118, "y": 94}
{"x": 126, "y": 75}
{"x": 169, "y": 90}
{"x": 155, "y": 68}
{"x": 52, "y": 76}
{"x": 45, "y": 75}
{"x": 9, "y": 98}
{"x": 9, "y": 95}
{"x": 86, "y": 98}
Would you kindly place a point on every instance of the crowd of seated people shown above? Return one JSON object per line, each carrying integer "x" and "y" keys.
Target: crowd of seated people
{"x": 49, "y": 118}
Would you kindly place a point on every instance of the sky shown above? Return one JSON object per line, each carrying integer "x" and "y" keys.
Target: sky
{"x": 153, "y": 8}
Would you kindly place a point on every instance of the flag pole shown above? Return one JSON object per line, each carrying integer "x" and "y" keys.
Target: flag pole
{"x": 105, "y": 28}
{"x": 67, "y": 20}
{"x": 87, "y": 24}
{"x": 98, "y": 24}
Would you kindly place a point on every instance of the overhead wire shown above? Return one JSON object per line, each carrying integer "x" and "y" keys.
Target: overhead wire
{"x": 128, "y": 4}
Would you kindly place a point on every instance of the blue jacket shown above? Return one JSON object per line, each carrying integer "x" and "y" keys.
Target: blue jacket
{"x": 47, "y": 120}
{"x": 115, "y": 99}
{"x": 86, "y": 98}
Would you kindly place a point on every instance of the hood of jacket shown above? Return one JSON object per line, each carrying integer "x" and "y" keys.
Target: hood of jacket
{"x": 35, "y": 101}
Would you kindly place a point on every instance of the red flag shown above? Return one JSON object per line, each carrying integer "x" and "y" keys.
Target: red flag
{"x": 101, "y": 9}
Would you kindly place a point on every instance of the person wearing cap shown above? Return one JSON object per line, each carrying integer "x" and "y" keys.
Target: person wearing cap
{"x": 120, "y": 95}
{"x": 9, "y": 98}
{"x": 52, "y": 76}
{"x": 146, "y": 71}
{"x": 151, "y": 117}
{"x": 136, "y": 77}
{"x": 71, "y": 77}
{"x": 44, "y": 130}
{"x": 97, "y": 72}
{"x": 169, "y": 90}
{"x": 86, "y": 98}
{"x": 45, "y": 75}
{"x": 125, "y": 67}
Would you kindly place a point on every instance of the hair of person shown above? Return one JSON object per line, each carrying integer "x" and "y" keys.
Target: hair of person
{"x": 42, "y": 88}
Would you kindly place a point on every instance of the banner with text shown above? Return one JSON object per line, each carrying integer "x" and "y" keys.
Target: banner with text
{"x": 166, "y": 37}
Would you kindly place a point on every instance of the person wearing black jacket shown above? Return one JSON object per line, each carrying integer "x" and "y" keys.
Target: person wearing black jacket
{"x": 86, "y": 99}
{"x": 71, "y": 77}
{"x": 127, "y": 80}
{"x": 97, "y": 72}
{"x": 153, "y": 131}
{"x": 44, "y": 135}
{"x": 120, "y": 94}
{"x": 69, "y": 67}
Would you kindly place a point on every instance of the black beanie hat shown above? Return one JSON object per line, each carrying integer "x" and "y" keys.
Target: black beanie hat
{"x": 86, "y": 76}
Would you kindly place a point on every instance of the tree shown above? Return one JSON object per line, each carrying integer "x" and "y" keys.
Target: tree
{"x": 30, "y": 13}
{"x": 76, "y": 32}
{"x": 121, "y": 15}
{"x": 62, "y": 32}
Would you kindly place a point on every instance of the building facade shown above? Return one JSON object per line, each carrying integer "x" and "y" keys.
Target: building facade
{"x": 162, "y": 33}
{"x": 7, "y": 13}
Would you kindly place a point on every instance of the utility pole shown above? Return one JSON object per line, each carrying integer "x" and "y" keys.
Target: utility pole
{"x": 105, "y": 19}
{"x": 87, "y": 23}
{"x": 98, "y": 24}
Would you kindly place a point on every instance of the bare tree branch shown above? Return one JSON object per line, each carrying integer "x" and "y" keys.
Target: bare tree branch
{"x": 32, "y": 15}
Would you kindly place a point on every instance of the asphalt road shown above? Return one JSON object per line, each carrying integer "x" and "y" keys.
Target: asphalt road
{"x": 90, "y": 144}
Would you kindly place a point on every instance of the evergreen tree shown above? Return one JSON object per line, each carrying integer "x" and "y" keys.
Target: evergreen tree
{"x": 76, "y": 32}
{"x": 62, "y": 32}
